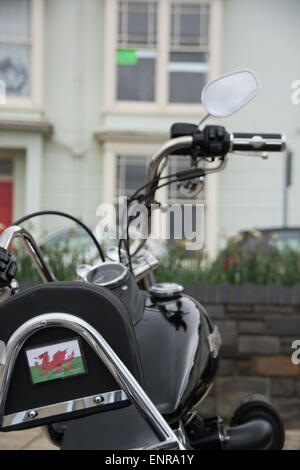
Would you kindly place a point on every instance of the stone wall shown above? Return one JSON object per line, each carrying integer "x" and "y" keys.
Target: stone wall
{"x": 256, "y": 350}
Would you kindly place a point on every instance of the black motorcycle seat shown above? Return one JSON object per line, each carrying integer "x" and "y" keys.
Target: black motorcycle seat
{"x": 101, "y": 309}
{"x": 114, "y": 430}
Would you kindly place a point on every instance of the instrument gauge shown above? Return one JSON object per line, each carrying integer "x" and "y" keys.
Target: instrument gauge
{"x": 107, "y": 274}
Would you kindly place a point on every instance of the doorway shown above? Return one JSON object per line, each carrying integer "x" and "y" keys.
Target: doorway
{"x": 6, "y": 193}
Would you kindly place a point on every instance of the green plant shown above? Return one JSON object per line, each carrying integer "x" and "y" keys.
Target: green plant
{"x": 61, "y": 259}
{"x": 236, "y": 265}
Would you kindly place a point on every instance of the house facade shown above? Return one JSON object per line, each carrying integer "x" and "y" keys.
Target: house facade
{"x": 92, "y": 88}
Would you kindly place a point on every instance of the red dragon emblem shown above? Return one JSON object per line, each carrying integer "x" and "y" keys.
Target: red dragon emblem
{"x": 57, "y": 364}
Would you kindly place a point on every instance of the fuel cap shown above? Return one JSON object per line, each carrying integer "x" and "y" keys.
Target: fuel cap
{"x": 165, "y": 290}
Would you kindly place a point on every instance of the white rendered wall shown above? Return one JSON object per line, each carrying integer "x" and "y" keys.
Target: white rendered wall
{"x": 73, "y": 87}
{"x": 262, "y": 35}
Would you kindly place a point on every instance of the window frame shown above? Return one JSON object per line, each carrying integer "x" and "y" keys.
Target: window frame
{"x": 35, "y": 100}
{"x": 162, "y": 104}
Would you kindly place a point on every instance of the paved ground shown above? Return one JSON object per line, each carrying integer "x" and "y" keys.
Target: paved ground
{"x": 292, "y": 441}
{"x": 34, "y": 440}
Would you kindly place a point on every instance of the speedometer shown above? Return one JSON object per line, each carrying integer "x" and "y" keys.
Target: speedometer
{"x": 107, "y": 274}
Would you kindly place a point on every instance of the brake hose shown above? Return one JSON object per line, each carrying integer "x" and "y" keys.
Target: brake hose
{"x": 68, "y": 216}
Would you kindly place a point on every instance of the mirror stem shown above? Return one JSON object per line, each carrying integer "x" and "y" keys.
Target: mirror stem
{"x": 203, "y": 119}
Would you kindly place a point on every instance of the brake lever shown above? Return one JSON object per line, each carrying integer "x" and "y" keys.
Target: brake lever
{"x": 263, "y": 155}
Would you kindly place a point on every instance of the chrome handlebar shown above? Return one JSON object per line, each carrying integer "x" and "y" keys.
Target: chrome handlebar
{"x": 164, "y": 151}
{"x": 157, "y": 159}
{"x": 15, "y": 231}
{"x": 257, "y": 142}
{"x": 238, "y": 141}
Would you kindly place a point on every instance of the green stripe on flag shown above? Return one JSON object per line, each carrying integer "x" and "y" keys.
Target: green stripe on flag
{"x": 78, "y": 368}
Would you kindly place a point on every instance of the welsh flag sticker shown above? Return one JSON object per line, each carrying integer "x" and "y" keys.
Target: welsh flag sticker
{"x": 56, "y": 361}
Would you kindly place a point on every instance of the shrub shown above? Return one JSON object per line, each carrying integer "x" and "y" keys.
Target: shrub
{"x": 237, "y": 264}
{"x": 62, "y": 261}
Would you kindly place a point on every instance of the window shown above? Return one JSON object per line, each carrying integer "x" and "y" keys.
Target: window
{"x": 120, "y": 154}
{"x": 137, "y": 52}
{"x": 131, "y": 173}
{"x": 6, "y": 168}
{"x": 188, "y": 59}
{"x": 159, "y": 52}
{"x": 20, "y": 49}
{"x": 15, "y": 46}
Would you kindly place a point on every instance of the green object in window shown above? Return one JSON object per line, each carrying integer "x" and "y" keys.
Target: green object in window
{"x": 127, "y": 57}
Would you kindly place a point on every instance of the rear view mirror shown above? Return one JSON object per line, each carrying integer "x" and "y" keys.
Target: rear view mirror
{"x": 229, "y": 93}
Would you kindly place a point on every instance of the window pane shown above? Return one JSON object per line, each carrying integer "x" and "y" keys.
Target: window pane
{"x": 15, "y": 20}
{"x": 138, "y": 26}
{"x": 189, "y": 24}
{"x": 131, "y": 174}
{"x": 137, "y": 23}
{"x": 136, "y": 82}
{"x": 6, "y": 167}
{"x": 135, "y": 177}
{"x": 188, "y": 75}
{"x": 15, "y": 69}
{"x": 136, "y": 56}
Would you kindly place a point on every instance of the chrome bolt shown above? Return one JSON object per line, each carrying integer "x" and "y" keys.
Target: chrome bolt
{"x": 124, "y": 287}
{"x": 43, "y": 323}
{"x": 98, "y": 399}
{"x": 32, "y": 414}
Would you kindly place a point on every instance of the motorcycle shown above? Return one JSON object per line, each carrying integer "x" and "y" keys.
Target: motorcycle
{"x": 113, "y": 360}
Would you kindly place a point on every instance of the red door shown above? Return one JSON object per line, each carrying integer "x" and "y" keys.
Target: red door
{"x": 6, "y": 204}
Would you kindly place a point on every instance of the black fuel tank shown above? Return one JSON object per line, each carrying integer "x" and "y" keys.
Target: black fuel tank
{"x": 178, "y": 362}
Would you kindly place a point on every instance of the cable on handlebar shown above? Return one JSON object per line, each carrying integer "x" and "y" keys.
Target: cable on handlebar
{"x": 68, "y": 216}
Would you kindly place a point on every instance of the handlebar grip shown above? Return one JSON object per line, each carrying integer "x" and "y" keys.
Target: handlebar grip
{"x": 258, "y": 142}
